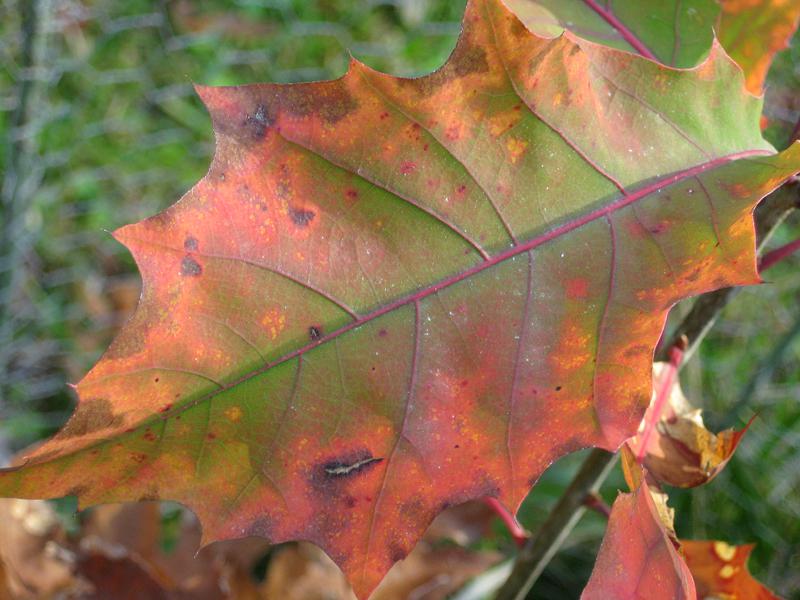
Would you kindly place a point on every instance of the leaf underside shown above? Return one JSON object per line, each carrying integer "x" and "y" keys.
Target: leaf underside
{"x": 637, "y": 558}
{"x": 677, "y": 33}
{"x": 392, "y": 295}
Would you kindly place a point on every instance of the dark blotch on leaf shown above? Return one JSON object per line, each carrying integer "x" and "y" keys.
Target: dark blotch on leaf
{"x": 190, "y": 267}
{"x": 258, "y": 122}
{"x": 190, "y": 244}
{"x": 397, "y": 552}
{"x": 92, "y": 415}
{"x": 330, "y": 100}
{"x": 314, "y": 333}
{"x": 261, "y": 527}
{"x": 77, "y": 491}
{"x": 301, "y": 217}
{"x": 466, "y": 60}
{"x": 345, "y": 467}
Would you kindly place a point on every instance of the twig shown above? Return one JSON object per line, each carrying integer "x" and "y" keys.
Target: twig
{"x": 594, "y": 502}
{"x": 518, "y": 533}
{"x": 543, "y": 545}
{"x": 775, "y": 256}
{"x": 766, "y": 369}
{"x": 535, "y": 555}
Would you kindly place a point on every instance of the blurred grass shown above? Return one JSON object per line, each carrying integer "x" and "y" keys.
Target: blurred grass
{"x": 116, "y": 134}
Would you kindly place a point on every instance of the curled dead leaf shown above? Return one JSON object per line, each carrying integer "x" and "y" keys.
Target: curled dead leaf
{"x": 678, "y": 450}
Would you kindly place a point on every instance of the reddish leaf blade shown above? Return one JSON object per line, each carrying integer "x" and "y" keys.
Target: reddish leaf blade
{"x": 637, "y": 558}
{"x": 391, "y": 295}
{"x": 720, "y": 571}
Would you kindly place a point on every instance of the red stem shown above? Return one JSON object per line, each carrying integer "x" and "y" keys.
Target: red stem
{"x": 777, "y": 255}
{"x": 594, "y": 502}
{"x": 623, "y": 30}
{"x": 517, "y": 531}
{"x": 662, "y": 397}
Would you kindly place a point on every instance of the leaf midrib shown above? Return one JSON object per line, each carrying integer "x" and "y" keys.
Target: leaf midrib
{"x": 422, "y": 293}
{"x": 607, "y": 14}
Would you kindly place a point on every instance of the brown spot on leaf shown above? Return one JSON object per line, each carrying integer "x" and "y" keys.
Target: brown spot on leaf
{"x": 471, "y": 59}
{"x": 397, "y": 552}
{"x": 93, "y": 414}
{"x": 77, "y": 491}
{"x": 261, "y": 527}
{"x": 330, "y": 100}
{"x": 467, "y": 59}
{"x": 190, "y": 244}
{"x": 343, "y": 467}
{"x": 258, "y": 122}
{"x": 636, "y": 350}
{"x": 314, "y": 333}
{"x": 301, "y": 217}
{"x": 190, "y": 267}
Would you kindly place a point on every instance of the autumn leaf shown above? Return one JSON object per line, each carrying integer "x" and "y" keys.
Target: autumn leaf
{"x": 673, "y": 32}
{"x": 753, "y": 31}
{"x": 674, "y": 444}
{"x": 388, "y": 296}
{"x": 720, "y": 571}
{"x": 637, "y": 558}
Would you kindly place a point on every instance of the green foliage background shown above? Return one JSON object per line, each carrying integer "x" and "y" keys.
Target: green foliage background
{"x": 112, "y": 132}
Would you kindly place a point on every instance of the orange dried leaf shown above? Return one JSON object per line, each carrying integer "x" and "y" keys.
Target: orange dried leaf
{"x": 720, "y": 571}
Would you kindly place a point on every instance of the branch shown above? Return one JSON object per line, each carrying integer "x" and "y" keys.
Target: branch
{"x": 537, "y": 552}
{"x": 517, "y": 531}
{"x": 766, "y": 369}
{"x": 775, "y": 256}
{"x": 535, "y": 555}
